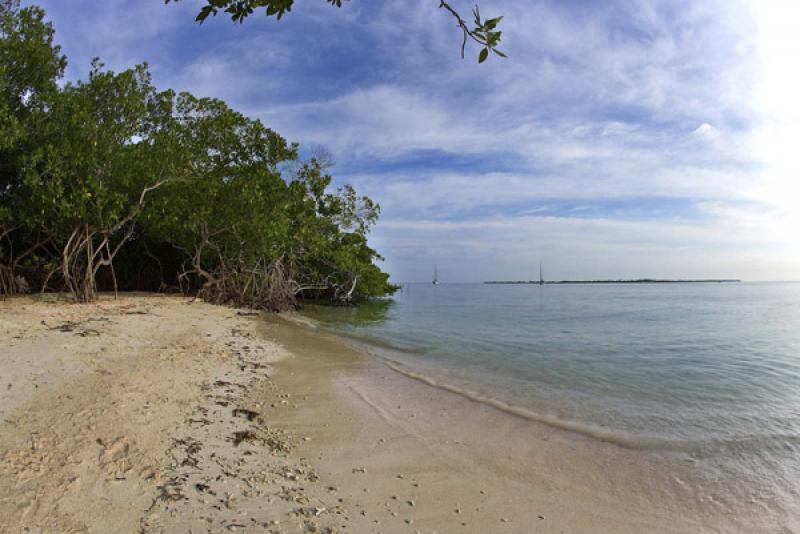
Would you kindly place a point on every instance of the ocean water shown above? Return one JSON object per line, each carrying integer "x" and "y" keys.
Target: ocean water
{"x": 707, "y": 371}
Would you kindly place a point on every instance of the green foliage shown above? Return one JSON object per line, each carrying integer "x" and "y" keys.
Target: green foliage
{"x": 329, "y": 235}
{"x": 96, "y": 166}
{"x": 229, "y": 204}
{"x": 484, "y": 32}
{"x": 94, "y": 157}
{"x": 241, "y": 9}
{"x": 94, "y": 163}
{"x": 30, "y": 65}
{"x": 245, "y": 224}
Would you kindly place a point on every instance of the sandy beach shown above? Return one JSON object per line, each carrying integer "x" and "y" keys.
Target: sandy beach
{"x": 158, "y": 414}
{"x": 284, "y": 266}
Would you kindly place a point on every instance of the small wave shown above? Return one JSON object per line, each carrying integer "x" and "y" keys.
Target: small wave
{"x": 591, "y": 431}
{"x": 768, "y": 442}
{"x": 366, "y": 342}
{"x": 771, "y": 442}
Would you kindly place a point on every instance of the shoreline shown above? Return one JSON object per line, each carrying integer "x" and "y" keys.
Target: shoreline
{"x": 612, "y": 282}
{"x": 388, "y": 439}
{"x": 151, "y": 413}
{"x": 577, "y": 482}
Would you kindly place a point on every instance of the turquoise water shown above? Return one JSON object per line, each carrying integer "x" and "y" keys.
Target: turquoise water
{"x": 711, "y": 371}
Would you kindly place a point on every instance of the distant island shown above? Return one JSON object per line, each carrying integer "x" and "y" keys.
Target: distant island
{"x": 637, "y": 281}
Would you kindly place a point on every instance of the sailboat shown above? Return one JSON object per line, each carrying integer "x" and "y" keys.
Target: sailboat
{"x": 541, "y": 279}
{"x": 435, "y": 276}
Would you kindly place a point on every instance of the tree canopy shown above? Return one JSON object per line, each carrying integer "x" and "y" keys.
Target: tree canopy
{"x": 110, "y": 183}
{"x": 483, "y": 31}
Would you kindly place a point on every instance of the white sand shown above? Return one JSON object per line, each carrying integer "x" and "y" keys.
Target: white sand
{"x": 122, "y": 416}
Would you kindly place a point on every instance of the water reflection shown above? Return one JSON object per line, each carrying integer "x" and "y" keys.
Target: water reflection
{"x": 366, "y": 313}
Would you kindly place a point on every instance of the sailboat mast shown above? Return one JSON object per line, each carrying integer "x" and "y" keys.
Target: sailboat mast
{"x": 541, "y": 279}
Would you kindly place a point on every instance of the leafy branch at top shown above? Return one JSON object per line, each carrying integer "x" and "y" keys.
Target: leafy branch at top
{"x": 484, "y": 32}
{"x": 241, "y": 9}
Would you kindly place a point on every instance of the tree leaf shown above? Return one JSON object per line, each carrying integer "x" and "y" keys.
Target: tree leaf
{"x": 492, "y": 23}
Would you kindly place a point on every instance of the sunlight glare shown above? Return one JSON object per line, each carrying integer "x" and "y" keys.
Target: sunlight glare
{"x": 778, "y": 101}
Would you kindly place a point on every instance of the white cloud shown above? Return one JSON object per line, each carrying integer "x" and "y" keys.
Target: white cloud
{"x": 706, "y": 132}
{"x": 693, "y": 103}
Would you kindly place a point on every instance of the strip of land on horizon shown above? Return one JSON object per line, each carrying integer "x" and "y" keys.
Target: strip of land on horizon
{"x": 635, "y": 281}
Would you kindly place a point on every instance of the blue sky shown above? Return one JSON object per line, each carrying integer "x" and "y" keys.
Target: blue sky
{"x": 622, "y": 138}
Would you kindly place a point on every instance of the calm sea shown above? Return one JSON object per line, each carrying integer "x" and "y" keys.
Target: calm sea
{"x": 709, "y": 371}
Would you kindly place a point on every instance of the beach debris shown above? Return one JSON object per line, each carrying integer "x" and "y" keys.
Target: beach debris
{"x": 243, "y": 435}
{"x": 225, "y": 383}
{"x": 203, "y": 488}
{"x": 309, "y": 511}
{"x": 248, "y": 414}
{"x": 252, "y": 365}
{"x": 170, "y": 491}
{"x": 87, "y": 332}
{"x": 191, "y": 448}
{"x": 72, "y": 326}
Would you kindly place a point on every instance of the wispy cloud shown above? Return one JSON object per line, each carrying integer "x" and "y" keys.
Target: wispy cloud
{"x": 620, "y": 138}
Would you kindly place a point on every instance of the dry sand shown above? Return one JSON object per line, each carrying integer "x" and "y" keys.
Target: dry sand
{"x": 157, "y": 414}
{"x": 135, "y": 415}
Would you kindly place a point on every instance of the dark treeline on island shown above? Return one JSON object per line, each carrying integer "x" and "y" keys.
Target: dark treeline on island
{"x": 636, "y": 281}
{"x": 111, "y": 184}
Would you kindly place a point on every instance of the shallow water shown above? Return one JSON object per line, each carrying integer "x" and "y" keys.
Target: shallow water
{"x": 707, "y": 371}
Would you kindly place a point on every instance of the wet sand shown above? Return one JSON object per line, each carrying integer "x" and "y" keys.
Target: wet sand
{"x": 156, "y": 414}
